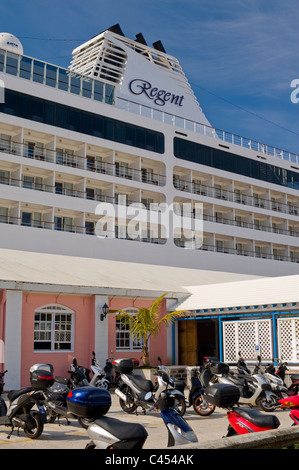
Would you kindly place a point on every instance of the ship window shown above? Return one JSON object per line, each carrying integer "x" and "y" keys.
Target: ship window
{"x": 109, "y": 94}
{"x": 75, "y": 84}
{"x": 2, "y": 55}
{"x": 216, "y": 158}
{"x": 98, "y": 91}
{"x": 51, "y": 75}
{"x": 25, "y": 67}
{"x": 86, "y": 89}
{"x": 38, "y": 71}
{"x": 12, "y": 63}
{"x": 63, "y": 79}
{"x": 67, "y": 117}
{"x": 53, "y": 328}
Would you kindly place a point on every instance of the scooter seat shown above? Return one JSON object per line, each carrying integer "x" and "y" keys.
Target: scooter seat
{"x": 294, "y": 378}
{"x": 121, "y": 429}
{"x": 259, "y": 419}
{"x": 144, "y": 384}
{"x": 13, "y": 394}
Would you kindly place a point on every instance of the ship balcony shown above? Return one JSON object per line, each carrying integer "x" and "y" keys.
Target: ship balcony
{"x": 134, "y": 168}
{"x": 256, "y": 200}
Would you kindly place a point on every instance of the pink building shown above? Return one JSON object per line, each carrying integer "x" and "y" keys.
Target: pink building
{"x": 57, "y": 327}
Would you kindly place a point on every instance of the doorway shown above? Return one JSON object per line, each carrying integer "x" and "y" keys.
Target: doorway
{"x": 196, "y": 339}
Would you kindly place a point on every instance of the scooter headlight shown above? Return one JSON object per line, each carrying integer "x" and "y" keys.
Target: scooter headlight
{"x": 186, "y": 435}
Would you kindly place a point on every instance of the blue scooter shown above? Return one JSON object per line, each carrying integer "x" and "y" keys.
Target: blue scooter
{"x": 106, "y": 432}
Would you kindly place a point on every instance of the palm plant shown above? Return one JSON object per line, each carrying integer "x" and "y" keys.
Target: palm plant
{"x": 147, "y": 322}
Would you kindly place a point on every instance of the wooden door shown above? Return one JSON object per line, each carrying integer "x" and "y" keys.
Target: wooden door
{"x": 187, "y": 341}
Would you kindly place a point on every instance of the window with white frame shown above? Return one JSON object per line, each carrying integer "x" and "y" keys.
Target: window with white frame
{"x": 53, "y": 328}
{"x": 124, "y": 339}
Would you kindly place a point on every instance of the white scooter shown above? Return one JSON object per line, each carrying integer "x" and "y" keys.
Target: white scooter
{"x": 255, "y": 389}
{"x": 99, "y": 376}
{"x": 135, "y": 391}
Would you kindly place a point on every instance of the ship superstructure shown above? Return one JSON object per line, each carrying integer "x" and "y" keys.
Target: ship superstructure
{"x": 121, "y": 128}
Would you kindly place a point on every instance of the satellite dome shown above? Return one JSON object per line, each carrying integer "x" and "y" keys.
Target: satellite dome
{"x": 10, "y": 43}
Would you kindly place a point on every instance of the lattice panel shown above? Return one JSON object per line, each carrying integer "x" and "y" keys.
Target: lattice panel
{"x": 247, "y": 339}
{"x": 288, "y": 339}
{"x": 265, "y": 339}
{"x": 244, "y": 336}
{"x": 230, "y": 346}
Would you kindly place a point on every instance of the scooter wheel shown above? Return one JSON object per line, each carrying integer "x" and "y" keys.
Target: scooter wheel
{"x": 130, "y": 406}
{"x": 202, "y": 407}
{"x": 85, "y": 422}
{"x": 34, "y": 427}
{"x": 102, "y": 385}
{"x": 180, "y": 405}
{"x": 266, "y": 406}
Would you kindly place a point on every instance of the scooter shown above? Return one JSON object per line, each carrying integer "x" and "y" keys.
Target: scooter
{"x": 134, "y": 389}
{"x": 20, "y": 412}
{"x": 277, "y": 385}
{"x": 255, "y": 389}
{"x": 110, "y": 433}
{"x": 79, "y": 375}
{"x": 241, "y": 420}
{"x": 112, "y": 376}
{"x": 55, "y": 398}
{"x": 196, "y": 396}
{"x": 293, "y": 389}
{"x": 99, "y": 377}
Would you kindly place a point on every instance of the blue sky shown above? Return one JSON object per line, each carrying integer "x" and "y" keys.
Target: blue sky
{"x": 239, "y": 56}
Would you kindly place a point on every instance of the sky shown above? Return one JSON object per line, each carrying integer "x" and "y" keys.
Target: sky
{"x": 239, "y": 56}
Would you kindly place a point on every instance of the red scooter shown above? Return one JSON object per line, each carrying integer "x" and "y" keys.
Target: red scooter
{"x": 293, "y": 389}
{"x": 241, "y": 420}
{"x": 291, "y": 403}
{"x": 246, "y": 420}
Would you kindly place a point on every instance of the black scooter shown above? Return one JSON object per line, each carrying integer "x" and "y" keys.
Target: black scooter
{"x": 20, "y": 413}
{"x": 55, "y": 397}
{"x": 199, "y": 381}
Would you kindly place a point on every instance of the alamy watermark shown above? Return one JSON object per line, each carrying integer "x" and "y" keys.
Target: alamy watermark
{"x": 182, "y": 222}
{"x": 295, "y": 93}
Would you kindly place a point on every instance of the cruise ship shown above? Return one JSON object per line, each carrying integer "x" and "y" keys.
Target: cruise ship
{"x": 122, "y": 126}
{"x": 113, "y": 159}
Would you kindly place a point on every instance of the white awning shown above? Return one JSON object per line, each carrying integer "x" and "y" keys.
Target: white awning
{"x": 262, "y": 291}
{"x": 60, "y": 270}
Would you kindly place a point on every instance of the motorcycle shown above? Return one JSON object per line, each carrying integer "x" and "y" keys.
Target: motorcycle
{"x": 135, "y": 391}
{"x": 277, "y": 385}
{"x": 20, "y": 412}
{"x": 196, "y": 398}
{"x": 110, "y": 433}
{"x": 80, "y": 376}
{"x": 111, "y": 375}
{"x": 293, "y": 389}
{"x": 241, "y": 420}
{"x": 99, "y": 377}
{"x": 255, "y": 389}
{"x": 55, "y": 397}
{"x": 199, "y": 380}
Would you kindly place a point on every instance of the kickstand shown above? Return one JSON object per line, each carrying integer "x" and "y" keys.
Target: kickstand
{"x": 12, "y": 430}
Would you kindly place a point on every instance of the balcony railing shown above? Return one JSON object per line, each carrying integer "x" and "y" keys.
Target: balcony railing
{"x": 77, "y": 161}
{"x": 242, "y": 252}
{"x": 206, "y": 130}
{"x": 232, "y": 196}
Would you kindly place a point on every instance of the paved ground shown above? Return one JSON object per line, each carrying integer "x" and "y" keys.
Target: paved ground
{"x": 73, "y": 436}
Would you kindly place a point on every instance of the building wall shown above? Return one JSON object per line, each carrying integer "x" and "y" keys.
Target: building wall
{"x": 17, "y": 334}
{"x": 83, "y": 306}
